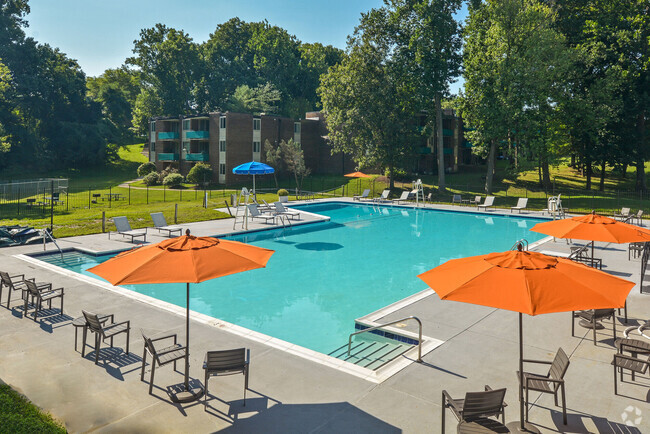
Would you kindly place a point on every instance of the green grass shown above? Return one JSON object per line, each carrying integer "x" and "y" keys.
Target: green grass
{"x": 18, "y": 415}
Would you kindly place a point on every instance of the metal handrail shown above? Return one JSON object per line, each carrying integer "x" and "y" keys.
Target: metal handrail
{"x": 523, "y": 242}
{"x": 388, "y": 324}
{"x": 47, "y": 234}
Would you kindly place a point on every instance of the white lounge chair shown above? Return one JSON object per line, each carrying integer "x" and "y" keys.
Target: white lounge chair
{"x": 623, "y": 215}
{"x": 363, "y": 195}
{"x": 160, "y": 223}
{"x": 522, "y": 203}
{"x": 383, "y": 197}
{"x": 456, "y": 198}
{"x": 403, "y": 198}
{"x": 123, "y": 228}
{"x": 254, "y": 213}
{"x": 476, "y": 200}
{"x": 281, "y": 210}
{"x": 489, "y": 202}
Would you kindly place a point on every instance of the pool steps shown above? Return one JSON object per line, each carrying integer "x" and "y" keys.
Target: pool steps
{"x": 371, "y": 353}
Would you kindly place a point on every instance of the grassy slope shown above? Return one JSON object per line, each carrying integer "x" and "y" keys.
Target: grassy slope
{"x": 18, "y": 415}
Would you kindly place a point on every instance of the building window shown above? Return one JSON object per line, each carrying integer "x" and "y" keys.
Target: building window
{"x": 186, "y": 124}
{"x": 204, "y": 125}
{"x": 222, "y": 122}
{"x": 222, "y": 145}
{"x": 152, "y": 147}
{"x": 296, "y": 127}
{"x": 222, "y": 169}
{"x": 153, "y": 127}
{"x": 256, "y": 146}
{"x": 257, "y": 124}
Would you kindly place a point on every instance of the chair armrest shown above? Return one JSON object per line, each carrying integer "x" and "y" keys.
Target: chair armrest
{"x": 171, "y": 350}
{"x": 632, "y": 359}
{"x": 165, "y": 337}
{"x": 22, "y": 276}
{"x": 544, "y": 362}
{"x": 449, "y": 402}
{"x": 106, "y": 317}
{"x": 123, "y": 322}
{"x": 49, "y": 291}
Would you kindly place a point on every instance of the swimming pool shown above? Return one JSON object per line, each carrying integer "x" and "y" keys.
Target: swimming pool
{"x": 325, "y": 275}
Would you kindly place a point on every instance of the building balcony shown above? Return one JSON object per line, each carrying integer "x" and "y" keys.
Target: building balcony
{"x": 167, "y": 157}
{"x": 448, "y": 133}
{"x": 424, "y": 150}
{"x": 197, "y": 134}
{"x": 167, "y": 136}
{"x": 201, "y": 156}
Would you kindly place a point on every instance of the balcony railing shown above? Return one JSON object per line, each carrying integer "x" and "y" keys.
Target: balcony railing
{"x": 201, "y": 156}
{"x": 167, "y": 157}
{"x": 167, "y": 136}
{"x": 448, "y": 133}
{"x": 197, "y": 134}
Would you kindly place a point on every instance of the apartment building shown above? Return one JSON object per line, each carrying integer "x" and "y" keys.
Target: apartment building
{"x": 457, "y": 150}
{"x": 226, "y": 140}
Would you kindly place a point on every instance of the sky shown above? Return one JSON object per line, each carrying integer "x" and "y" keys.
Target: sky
{"x": 100, "y": 34}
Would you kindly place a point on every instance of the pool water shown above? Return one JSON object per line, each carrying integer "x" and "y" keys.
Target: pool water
{"x": 325, "y": 275}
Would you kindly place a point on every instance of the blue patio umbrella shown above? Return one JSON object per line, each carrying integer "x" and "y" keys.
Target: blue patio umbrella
{"x": 253, "y": 168}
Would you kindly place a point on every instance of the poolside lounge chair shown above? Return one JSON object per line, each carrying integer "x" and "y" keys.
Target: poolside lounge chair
{"x": 639, "y": 217}
{"x": 403, "y": 198}
{"x": 383, "y": 197}
{"x": 522, "y": 203}
{"x": 456, "y": 198}
{"x": 226, "y": 362}
{"x": 255, "y": 213}
{"x": 623, "y": 215}
{"x": 160, "y": 223}
{"x": 489, "y": 202}
{"x": 552, "y": 382}
{"x": 123, "y": 228}
{"x": 280, "y": 209}
{"x": 17, "y": 283}
{"x": 38, "y": 295}
{"x": 476, "y": 200}
{"x": 363, "y": 195}
{"x": 592, "y": 317}
{"x": 162, "y": 355}
{"x": 103, "y": 330}
{"x": 429, "y": 198}
{"x": 476, "y": 405}
{"x": 634, "y": 364}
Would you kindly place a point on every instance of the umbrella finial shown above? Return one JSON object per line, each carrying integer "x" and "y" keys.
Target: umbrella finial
{"x": 187, "y": 232}
{"x": 520, "y": 246}
{"x": 593, "y": 212}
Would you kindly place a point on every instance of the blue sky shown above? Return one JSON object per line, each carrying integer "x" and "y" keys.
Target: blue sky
{"x": 100, "y": 34}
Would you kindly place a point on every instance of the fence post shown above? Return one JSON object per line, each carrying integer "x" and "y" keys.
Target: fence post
{"x": 103, "y": 222}
{"x": 147, "y": 194}
{"x": 67, "y": 199}
{"x": 181, "y": 194}
{"x": 129, "y": 194}
{"x": 52, "y": 207}
{"x": 164, "y": 193}
{"x": 88, "y": 197}
{"x": 175, "y": 213}
{"x": 110, "y": 196}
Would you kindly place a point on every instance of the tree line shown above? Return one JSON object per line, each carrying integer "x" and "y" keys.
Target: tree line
{"x": 545, "y": 80}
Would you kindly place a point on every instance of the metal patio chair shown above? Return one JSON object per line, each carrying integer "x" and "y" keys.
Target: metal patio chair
{"x": 162, "y": 355}
{"x": 17, "y": 283}
{"x": 103, "y": 330}
{"x": 475, "y": 405}
{"x": 592, "y": 317}
{"x": 38, "y": 294}
{"x": 226, "y": 362}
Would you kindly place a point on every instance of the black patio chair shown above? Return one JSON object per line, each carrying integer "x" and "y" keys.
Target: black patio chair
{"x": 162, "y": 355}
{"x": 633, "y": 364}
{"x": 475, "y": 405}
{"x": 226, "y": 362}
{"x": 103, "y": 330}
{"x": 36, "y": 295}
{"x": 17, "y": 283}
{"x": 552, "y": 382}
{"x": 593, "y": 316}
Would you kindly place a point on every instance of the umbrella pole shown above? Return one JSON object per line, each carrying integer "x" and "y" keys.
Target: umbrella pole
{"x": 187, "y": 340}
{"x": 254, "y": 196}
{"x": 522, "y": 425}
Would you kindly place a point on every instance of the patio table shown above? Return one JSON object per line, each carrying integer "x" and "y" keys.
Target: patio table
{"x": 80, "y": 322}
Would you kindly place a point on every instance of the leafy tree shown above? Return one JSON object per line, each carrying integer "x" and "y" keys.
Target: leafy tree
{"x": 146, "y": 168}
{"x": 173, "y": 180}
{"x": 368, "y": 109}
{"x": 201, "y": 173}
{"x": 152, "y": 178}
{"x": 261, "y": 99}
{"x": 294, "y": 158}
{"x": 273, "y": 156}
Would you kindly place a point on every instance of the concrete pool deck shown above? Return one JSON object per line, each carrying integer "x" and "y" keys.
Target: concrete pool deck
{"x": 292, "y": 394}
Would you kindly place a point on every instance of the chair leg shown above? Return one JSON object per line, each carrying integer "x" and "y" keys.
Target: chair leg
{"x": 594, "y": 327}
{"x": 153, "y": 370}
{"x": 614, "y": 326}
{"x": 128, "y": 332}
{"x": 144, "y": 362}
{"x": 37, "y": 308}
{"x": 245, "y": 385}
{"x": 61, "y": 305}
{"x": 615, "y": 388}
{"x": 526, "y": 404}
{"x": 563, "y": 403}
{"x": 573, "y": 323}
{"x": 83, "y": 344}
{"x": 442, "y": 422}
{"x": 205, "y": 401}
{"x": 98, "y": 344}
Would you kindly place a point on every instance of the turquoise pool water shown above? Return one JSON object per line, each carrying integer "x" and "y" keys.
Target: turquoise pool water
{"x": 325, "y": 275}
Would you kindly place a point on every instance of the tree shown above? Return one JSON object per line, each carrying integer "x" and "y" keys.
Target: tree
{"x": 425, "y": 43}
{"x": 261, "y": 99}
{"x": 274, "y": 158}
{"x": 294, "y": 158}
{"x": 201, "y": 173}
{"x": 368, "y": 109}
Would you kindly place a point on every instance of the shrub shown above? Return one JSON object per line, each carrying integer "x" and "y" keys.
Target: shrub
{"x": 283, "y": 192}
{"x": 151, "y": 178}
{"x": 146, "y": 168}
{"x": 200, "y": 173}
{"x": 173, "y": 180}
{"x": 165, "y": 173}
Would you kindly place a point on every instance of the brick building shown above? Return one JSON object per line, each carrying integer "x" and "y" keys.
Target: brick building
{"x": 226, "y": 140}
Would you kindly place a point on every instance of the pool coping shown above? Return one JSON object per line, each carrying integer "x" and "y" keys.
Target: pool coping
{"x": 370, "y": 320}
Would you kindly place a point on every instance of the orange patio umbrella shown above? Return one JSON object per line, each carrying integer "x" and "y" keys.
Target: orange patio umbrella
{"x": 526, "y": 282}
{"x": 187, "y": 259}
{"x": 357, "y": 175}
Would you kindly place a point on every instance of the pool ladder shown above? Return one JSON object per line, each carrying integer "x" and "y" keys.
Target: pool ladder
{"x": 389, "y": 324}
{"x": 46, "y": 235}
{"x": 284, "y": 220}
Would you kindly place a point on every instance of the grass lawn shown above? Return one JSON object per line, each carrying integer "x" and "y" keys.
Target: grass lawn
{"x": 18, "y": 415}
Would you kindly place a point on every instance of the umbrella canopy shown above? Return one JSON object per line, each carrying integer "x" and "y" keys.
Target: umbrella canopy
{"x": 186, "y": 259}
{"x": 526, "y": 282}
{"x": 253, "y": 168}
{"x": 593, "y": 227}
{"x": 356, "y": 175}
